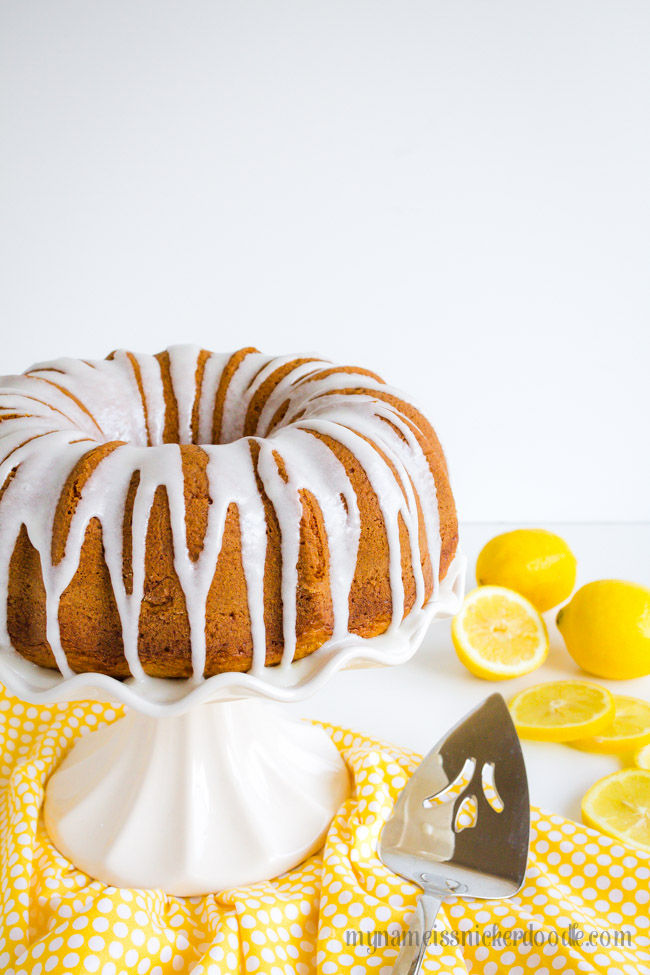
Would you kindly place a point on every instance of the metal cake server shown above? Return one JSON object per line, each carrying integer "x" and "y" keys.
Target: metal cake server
{"x": 461, "y": 826}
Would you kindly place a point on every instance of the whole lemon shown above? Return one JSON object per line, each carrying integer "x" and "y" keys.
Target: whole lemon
{"x": 535, "y": 563}
{"x": 606, "y": 628}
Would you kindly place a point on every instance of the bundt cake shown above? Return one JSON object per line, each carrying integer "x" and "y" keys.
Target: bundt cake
{"x": 189, "y": 513}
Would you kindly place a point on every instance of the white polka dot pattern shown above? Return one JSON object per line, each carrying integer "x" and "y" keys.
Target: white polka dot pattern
{"x": 54, "y": 919}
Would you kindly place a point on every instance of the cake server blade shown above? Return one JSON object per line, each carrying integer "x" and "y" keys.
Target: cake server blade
{"x": 461, "y": 826}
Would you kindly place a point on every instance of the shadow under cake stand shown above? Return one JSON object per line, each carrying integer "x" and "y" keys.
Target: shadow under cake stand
{"x": 205, "y": 785}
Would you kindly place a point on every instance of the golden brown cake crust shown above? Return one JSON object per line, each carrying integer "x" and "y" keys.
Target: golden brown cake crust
{"x": 90, "y": 626}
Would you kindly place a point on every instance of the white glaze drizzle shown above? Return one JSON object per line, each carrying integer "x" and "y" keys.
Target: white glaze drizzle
{"x": 40, "y": 446}
{"x": 183, "y": 362}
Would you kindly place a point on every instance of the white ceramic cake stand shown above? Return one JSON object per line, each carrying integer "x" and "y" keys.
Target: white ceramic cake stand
{"x": 205, "y": 785}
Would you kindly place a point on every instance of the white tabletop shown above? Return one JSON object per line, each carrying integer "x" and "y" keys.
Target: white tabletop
{"x": 414, "y": 704}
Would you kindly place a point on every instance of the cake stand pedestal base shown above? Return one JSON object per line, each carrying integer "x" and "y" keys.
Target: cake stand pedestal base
{"x": 226, "y": 794}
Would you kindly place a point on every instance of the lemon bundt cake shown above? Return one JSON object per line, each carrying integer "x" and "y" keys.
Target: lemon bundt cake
{"x": 189, "y": 513}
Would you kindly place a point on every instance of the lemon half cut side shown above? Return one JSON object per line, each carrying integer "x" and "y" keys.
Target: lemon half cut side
{"x": 499, "y": 634}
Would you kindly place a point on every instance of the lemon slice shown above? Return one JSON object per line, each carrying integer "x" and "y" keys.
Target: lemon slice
{"x": 629, "y": 730}
{"x": 499, "y": 634}
{"x": 619, "y": 805}
{"x": 562, "y": 710}
{"x": 642, "y": 758}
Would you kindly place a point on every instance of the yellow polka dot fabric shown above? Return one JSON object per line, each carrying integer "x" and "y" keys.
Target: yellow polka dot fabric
{"x": 340, "y": 911}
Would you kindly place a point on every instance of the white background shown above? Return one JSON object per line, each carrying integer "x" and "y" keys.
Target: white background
{"x": 455, "y": 194}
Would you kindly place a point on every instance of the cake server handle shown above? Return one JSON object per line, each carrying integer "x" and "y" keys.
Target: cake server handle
{"x": 417, "y": 937}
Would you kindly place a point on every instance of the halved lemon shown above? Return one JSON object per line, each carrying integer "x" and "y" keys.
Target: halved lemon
{"x": 499, "y": 634}
{"x": 629, "y": 730}
{"x": 562, "y": 710}
{"x": 642, "y": 757}
{"x": 619, "y": 805}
